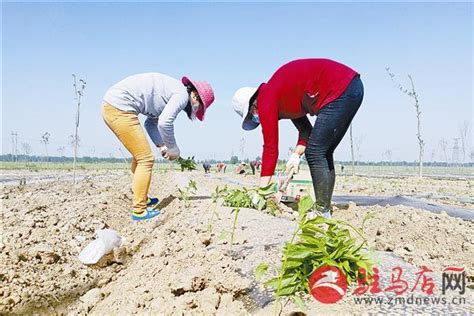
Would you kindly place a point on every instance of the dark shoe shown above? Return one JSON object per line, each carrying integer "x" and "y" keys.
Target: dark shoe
{"x": 152, "y": 201}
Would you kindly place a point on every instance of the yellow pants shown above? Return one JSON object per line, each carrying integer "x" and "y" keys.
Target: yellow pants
{"x": 129, "y": 131}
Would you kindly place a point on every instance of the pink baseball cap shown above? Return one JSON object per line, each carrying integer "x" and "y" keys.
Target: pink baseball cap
{"x": 205, "y": 92}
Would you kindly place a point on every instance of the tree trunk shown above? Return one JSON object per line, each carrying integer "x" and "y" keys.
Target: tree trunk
{"x": 421, "y": 143}
{"x": 75, "y": 150}
{"x": 420, "y": 167}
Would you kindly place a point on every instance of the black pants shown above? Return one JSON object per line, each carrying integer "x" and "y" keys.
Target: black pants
{"x": 253, "y": 169}
{"x": 330, "y": 127}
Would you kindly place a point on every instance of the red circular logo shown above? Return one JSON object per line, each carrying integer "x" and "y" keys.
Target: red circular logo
{"x": 328, "y": 284}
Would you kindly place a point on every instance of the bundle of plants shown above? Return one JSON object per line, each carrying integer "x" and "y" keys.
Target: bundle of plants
{"x": 315, "y": 243}
{"x": 259, "y": 199}
{"x": 187, "y": 164}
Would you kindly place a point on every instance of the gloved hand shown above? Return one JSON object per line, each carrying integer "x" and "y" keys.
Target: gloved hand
{"x": 293, "y": 163}
{"x": 163, "y": 150}
{"x": 171, "y": 156}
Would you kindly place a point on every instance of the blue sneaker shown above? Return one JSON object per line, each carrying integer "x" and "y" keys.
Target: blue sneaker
{"x": 152, "y": 201}
{"x": 149, "y": 213}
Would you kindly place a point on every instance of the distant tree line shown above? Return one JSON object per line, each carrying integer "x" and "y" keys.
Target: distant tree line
{"x": 62, "y": 159}
{"x": 405, "y": 163}
{"x": 87, "y": 159}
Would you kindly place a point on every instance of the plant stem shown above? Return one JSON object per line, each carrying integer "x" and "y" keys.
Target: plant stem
{"x": 211, "y": 219}
{"x": 236, "y": 210}
{"x": 283, "y": 267}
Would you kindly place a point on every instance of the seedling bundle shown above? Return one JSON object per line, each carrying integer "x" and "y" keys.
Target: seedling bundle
{"x": 252, "y": 198}
{"x": 317, "y": 242}
{"x": 187, "y": 164}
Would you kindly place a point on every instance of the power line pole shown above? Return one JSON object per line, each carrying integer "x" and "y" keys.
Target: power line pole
{"x": 242, "y": 148}
{"x": 14, "y": 146}
{"x": 456, "y": 151}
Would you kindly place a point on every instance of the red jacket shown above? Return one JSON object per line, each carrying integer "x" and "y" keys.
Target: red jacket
{"x": 298, "y": 88}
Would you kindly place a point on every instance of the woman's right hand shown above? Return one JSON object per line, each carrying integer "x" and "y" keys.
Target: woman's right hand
{"x": 163, "y": 150}
{"x": 169, "y": 154}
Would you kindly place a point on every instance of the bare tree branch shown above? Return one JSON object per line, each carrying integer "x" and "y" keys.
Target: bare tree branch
{"x": 411, "y": 92}
{"x": 464, "y": 132}
{"x": 78, "y": 92}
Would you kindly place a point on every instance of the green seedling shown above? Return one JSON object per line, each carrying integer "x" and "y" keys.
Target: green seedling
{"x": 236, "y": 211}
{"x": 260, "y": 270}
{"x": 187, "y": 164}
{"x": 215, "y": 197}
{"x": 222, "y": 235}
{"x": 238, "y": 198}
{"x": 254, "y": 198}
{"x": 186, "y": 193}
{"x": 317, "y": 242}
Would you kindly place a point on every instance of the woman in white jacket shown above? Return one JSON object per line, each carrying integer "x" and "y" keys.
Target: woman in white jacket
{"x": 161, "y": 98}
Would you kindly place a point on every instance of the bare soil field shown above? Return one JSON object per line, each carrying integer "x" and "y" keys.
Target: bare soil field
{"x": 176, "y": 264}
{"x": 448, "y": 191}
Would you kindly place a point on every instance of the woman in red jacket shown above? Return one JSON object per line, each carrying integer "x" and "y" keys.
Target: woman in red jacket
{"x": 321, "y": 87}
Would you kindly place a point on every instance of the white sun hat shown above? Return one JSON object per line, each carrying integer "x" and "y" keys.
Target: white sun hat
{"x": 241, "y": 102}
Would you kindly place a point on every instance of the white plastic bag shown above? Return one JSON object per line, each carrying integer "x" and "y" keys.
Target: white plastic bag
{"x": 107, "y": 240}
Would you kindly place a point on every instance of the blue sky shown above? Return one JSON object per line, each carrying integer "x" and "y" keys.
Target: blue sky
{"x": 233, "y": 45}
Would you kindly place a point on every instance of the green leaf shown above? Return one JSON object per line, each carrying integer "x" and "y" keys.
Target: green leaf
{"x": 299, "y": 301}
{"x": 222, "y": 235}
{"x": 304, "y": 205}
{"x": 299, "y": 253}
{"x": 260, "y": 270}
{"x": 367, "y": 216}
{"x": 261, "y": 204}
{"x": 192, "y": 184}
{"x": 311, "y": 228}
{"x": 293, "y": 263}
{"x": 273, "y": 283}
{"x": 315, "y": 221}
{"x": 288, "y": 290}
{"x": 311, "y": 240}
{"x": 267, "y": 190}
{"x": 285, "y": 281}
{"x": 346, "y": 266}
